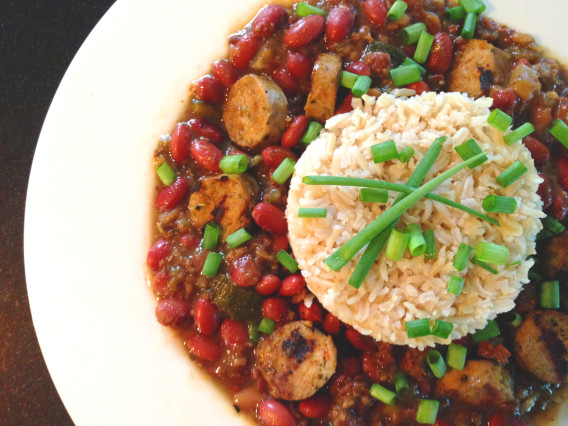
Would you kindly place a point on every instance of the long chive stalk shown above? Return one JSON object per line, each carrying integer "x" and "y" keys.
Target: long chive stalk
{"x": 343, "y": 255}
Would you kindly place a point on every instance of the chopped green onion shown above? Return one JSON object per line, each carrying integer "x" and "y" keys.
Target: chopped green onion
{"x": 287, "y": 261}
{"x": 553, "y": 225}
{"x": 379, "y": 184}
{"x": 373, "y": 195}
{"x": 267, "y": 326}
{"x": 405, "y": 74}
{"x": 462, "y": 256}
{"x": 347, "y": 79}
{"x": 423, "y": 47}
{"x": 550, "y": 295}
{"x": 401, "y": 382}
{"x": 397, "y": 10}
{"x": 313, "y": 132}
{"x": 418, "y": 328}
{"x": 427, "y": 411}
{"x": 430, "y": 252}
{"x": 468, "y": 29}
{"x": 284, "y": 170}
{"x": 468, "y": 149}
{"x": 442, "y": 329}
{"x": 411, "y": 34}
{"x": 210, "y": 236}
{"x": 484, "y": 265}
{"x": 253, "y": 332}
{"x": 456, "y": 356}
{"x": 559, "y": 130}
{"x": 436, "y": 363}
{"x": 534, "y": 276}
{"x": 305, "y": 9}
{"x": 234, "y": 163}
{"x": 455, "y": 14}
{"x": 211, "y": 264}
{"x": 490, "y": 331}
{"x": 166, "y": 174}
{"x": 311, "y": 212}
{"x": 384, "y": 151}
{"x": 499, "y": 120}
{"x": 361, "y": 86}
{"x": 472, "y": 6}
{"x": 491, "y": 253}
{"x": 408, "y": 61}
{"x": 512, "y": 319}
{"x": 406, "y": 154}
{"x": 499, "y": 204}
{"x": 514, "y": 172}
{"x": 416, "y": 242}
{"x": 516, "y": 262}
{"x": 519, "y": 133}
{"x": 396, "y": 245}
{"x": 238, "y": 237}
{"x": 382, "y": 394}
{"x": 455, "y": 286}
{"x": 544, "y": 234}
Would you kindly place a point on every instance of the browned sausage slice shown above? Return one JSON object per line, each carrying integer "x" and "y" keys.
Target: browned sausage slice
{"x": 296, "y": 360}
{"x": 223, "y": 199}
{"x": 325, "y": 79}
{"x": 255, "y": 112}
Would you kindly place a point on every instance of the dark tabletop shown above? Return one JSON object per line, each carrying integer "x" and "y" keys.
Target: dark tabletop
{"x": 38, "y": 39}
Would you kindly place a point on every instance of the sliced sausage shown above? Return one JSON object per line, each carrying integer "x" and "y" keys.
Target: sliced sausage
{"x": 480, "y": 383}
{"x": 296, "y": 360}
{"x": 325, "y": 79}
{"x": 255, "y": 112}
{"x": 475, "y": 57}
{"x": 541, "y": 345}
{"x": 223, "y": 199}
{"x": 556, "y": 259}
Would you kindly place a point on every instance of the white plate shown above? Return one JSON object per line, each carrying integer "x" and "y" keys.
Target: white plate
{"x": 88, "y": 214}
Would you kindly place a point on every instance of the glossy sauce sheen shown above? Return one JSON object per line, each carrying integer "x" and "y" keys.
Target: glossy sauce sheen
{"x": 213, "y": 314}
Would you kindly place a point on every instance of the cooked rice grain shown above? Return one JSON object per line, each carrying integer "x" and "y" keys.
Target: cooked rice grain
{"x": 395, "y": 292}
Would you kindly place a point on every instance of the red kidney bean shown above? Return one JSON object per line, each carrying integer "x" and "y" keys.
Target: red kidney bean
{"x": 292, "y": 285}
{"x": 350, "y": 366}
{"x": 160, "y": 282}
{"x": 275, "y": 308}
{"x": 206, "y": 316}
{"x": 499, "y": 418}
{"x": 359, "y": 68}
{"x": 205, "y": 130}
{"x": 441, "y": 422}
{"x": 269, "y": 284}
{"x": 545, "y": 192}
{"x": 315, "y": 407}
{"x": 189, "y": 240}
{"x": 285, "y": 80}
{"x": 267, "y": 19}
{"x": 274, "y": 413}
{"x": 504, "y": 99}
{"x": 304, "y": 31}
{"x": 313, "y": 313}
{"x": 225, "y": 72}
{"x": 363, "y": 343}
{"x": 441, "y": 54}
{"x": 179, "y": 145}
{"x": 244, "y": 50}
{"x": 539, "y": 151}
{"x": 376, "y": 11}
{"x": 170, "y": 196}
{"x": 204, "y": 347}
{"x": 273, "y": 155}
{"x": 340, "y": 20}
{"x": 270, "y": 218}
{"x": 206, "y": 154}
{"x": 234, "y": 333}
{"x": 172, "y": 312}
{"x": 157, "y": 253}
{"x": 295, "y": 131}
{"x": 559, "y": 203}
{"x": 209, "y": 89}
{"x": 420, "y": 87}
{"x": 562, "y": 167}
{"x": 345, "y": 105}
{"x": 331, "y": 323}
{"x": 245, "y": 272}
{"x": 299, "y": 64}
{"x": 279, "y": 242}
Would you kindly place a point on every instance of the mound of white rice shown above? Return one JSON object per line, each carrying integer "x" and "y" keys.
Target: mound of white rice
{"x": 395, "y": 292}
